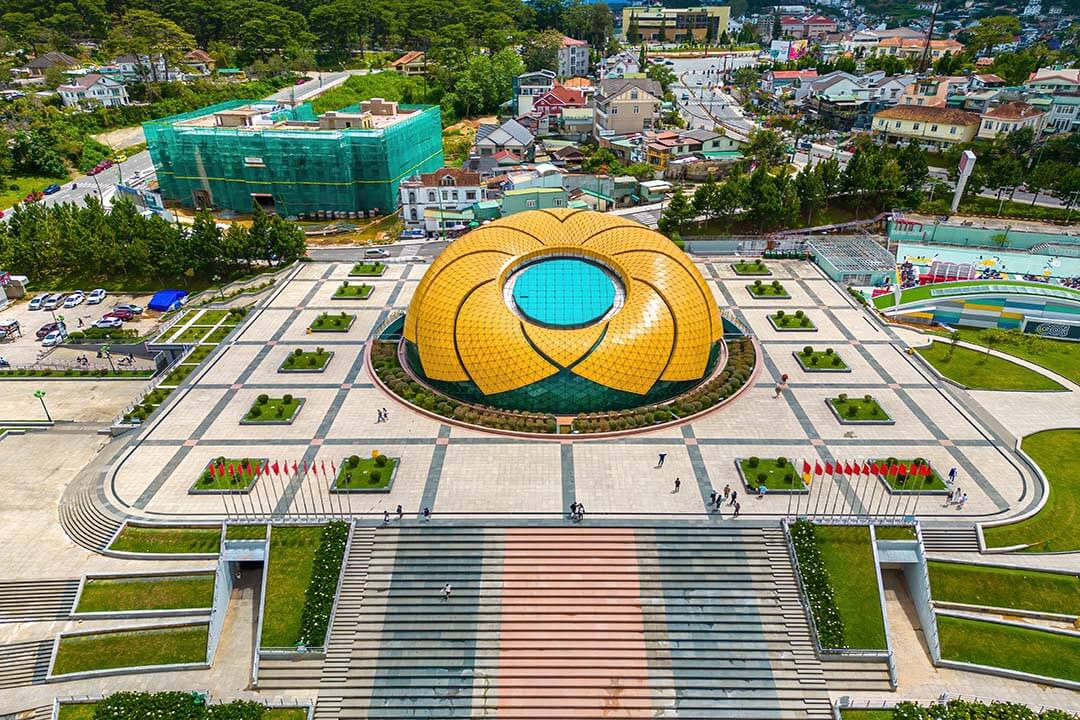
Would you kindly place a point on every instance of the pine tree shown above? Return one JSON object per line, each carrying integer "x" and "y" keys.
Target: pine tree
{"x": 677, "y": 214}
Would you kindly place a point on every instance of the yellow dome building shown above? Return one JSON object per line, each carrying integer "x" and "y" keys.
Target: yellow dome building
{"x": 562, "y": 311}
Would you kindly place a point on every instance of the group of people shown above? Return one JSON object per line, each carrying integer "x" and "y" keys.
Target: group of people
{"x": 382, "y": 415}
{"x": 577, "y": 511}
{"x": 729, "y": 496}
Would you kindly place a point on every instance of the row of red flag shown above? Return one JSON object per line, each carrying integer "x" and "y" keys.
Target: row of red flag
{"x": 874, "y": 468}
{"x": 264, "y": 468}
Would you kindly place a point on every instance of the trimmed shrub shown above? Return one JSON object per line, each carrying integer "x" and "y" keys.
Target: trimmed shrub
{"x": 753, "y": 461}
{"x": 263, "y": 399}
{"x": 287, "y": 399}
{"x": 808, "y": 351}
{"x": 354, "y": 460}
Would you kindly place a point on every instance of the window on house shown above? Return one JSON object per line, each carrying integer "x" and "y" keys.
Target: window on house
{"x": 897, "y": 124}
{"x": 412, "y": 213}
{"x": 915, "y": 126}
{"x": 431, "y": 196}
{"x": 470, "y": 195}
{"x": 952, "y": 130}
{"x": 530, "y": 204}
{"x": 933, "y": 128}
{"x": 633, "y": 94}
{"x": 614, "y": 109}
{"x": 412, "y": 196}
{"x": 558, "y": 202}
{"x": 454, "y": 194}
{"x": 637, "y": 109}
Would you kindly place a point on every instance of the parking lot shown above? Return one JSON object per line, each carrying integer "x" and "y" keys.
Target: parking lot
{"x": 27, "y": 350}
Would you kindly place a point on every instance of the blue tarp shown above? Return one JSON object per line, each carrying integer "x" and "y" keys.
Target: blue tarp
{"x": 166, "y": 299}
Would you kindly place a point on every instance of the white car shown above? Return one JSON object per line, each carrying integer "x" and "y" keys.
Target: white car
{"x": 53, "y": 301}
{"x": 54, "y": 338}
{"x": 109, "y": 323}
{"x": 96, "y": 296}
{"x": 35, "y": 304}
{"x": 133, "y": 309}
{"x": 75, "y": 298}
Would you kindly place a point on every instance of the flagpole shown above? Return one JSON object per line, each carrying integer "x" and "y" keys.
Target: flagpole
{"x": 264, "y": 493}
{"x": 255, "y": 492}
{"x": 225, "y": 505}
{"x": 878, "y": 481}
{"x": 835, "y": 493}
{"x": 819, "y": 481}
{"x": 273, "y": 486}
{"x": 915, "y": 511}
{"x": 299, "y": 492}
{"x": 317, "y": 512}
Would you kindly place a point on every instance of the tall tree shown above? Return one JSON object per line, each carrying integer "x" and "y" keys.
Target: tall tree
{"x": 677, "y": 214}
{"x": 145, "y": 34}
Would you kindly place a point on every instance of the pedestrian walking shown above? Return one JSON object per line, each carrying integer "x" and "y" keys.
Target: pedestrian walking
{"x": 717, "y": 502}
{"x": 580, "y": 512}
{"x": 952, "y": 475}
{"x": 738, "y": 507}
{"x": 776, "y": 391}
{"x": 734, "y": 495}
{"x": 385, "y": 414}
{"x": 712, "y": 498}
{"x": 678, "y": 484}
{"x": 399, "y": 513}
{"x": 378, "y": 416}
{"x": 963, "y": 499}
{"x": 949, "y": 498}
{"x": 386, "y": 517}
{"x": 660, "y": 460}
{"x": 573, "y": 511}
{"x": 446, "y": 590}
{"x": 727, "y": 492}
{"x": 427, "y": 515}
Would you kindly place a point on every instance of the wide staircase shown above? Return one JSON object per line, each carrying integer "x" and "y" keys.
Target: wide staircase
{"x": 84, "y": 521}
{"x": 960, "y": 538}
{"x": 577, "y": 622}
{"x": 24, "y": 663}
{"x": 36, "y": 600}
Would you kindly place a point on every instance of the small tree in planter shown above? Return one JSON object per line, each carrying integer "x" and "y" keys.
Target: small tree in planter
{"x": 757, "y": 284}
{"x": 753, "y": 462}
{"x": 799, "y": 314}
{"x": 808, "y": 351}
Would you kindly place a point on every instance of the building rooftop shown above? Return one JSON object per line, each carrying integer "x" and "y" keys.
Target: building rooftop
{"x": 373, "y": 114}
{"x": 946, "y": 116}
{"x": 1012, "y": 111}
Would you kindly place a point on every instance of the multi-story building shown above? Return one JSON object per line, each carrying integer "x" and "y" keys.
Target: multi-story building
{"x": 511, "y": 137}
{"x": 660, "y": 24}
{"x": 933, "y": 127}
{"x": 541, "y": 198}
{"x": 91, "y": 90}
{"x": 446, "y": 189}
{"x": 668, "y": 145}
{"x": 573, "y": 58}
{"x": 1054, "y": 80}
{"x": 626, "y": 106}
{"x": 1010, "y": 117}
{"x": 913, "y": 48}
{"x": 529, "y": 86}
{"x": 812, "y": 27}
{"x": 1063, "y": 113}
{"x": 411, "y": 63}
{"x": 933, "y": 91}
{"x": 35, "y": 70}
{"x": 292, "y": 162}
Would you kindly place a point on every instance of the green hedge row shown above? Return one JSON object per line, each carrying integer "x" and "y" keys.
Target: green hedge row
{"x": 319, "y": 597}
{"x": 173, "y": 706}
{"x": 817, "y": 586}
{"x": 969, "y": 710}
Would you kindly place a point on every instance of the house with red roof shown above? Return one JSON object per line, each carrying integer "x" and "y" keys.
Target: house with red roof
{"x": 411, "y": 63}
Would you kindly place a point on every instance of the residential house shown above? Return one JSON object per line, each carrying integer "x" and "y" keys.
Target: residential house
{"x": 569, "y": 154}
{"x": 1054, "y": 80}
{"x": 510, "y": 138}
{"x": 1010, "y": 117}
{"x": 984, "y": 81}
{"x": 529, "y": 86}
{"x": 576, "y": 123}
{"x": 199, "y": 62}
{"x": 665, "y": 146}
{"x": 1063, "y": 114}
{"x": 557, "y": 99}
{"x": 774, "y": 82}
{"x": 515, "y": 201}
{"x": 573, "y": 58}
{"x": 661, "y": 24}
{"x": 834, "y": 83}
{"x": 844, "y": 107}
{"x": 35, "y": 69}
{"x": 411, "y": 63}
{"x": 914, "y": 48}
{"x": 933, "y": 91}
{"x": 623, "y": 63}
{"x": 626, "y": 106}
{"x": 813, "y": 27}
{"x": 933, "y": 127}
{"x": 444, "y": 189}
{"x": 92, "y": 90}
{"x": 154, "y": 68}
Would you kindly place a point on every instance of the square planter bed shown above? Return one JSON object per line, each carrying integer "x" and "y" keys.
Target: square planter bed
{"x": 768, "y": 291}
{"x": 361, "y": 473}
{"x": 306, "y": 362}
{"x": 348, "y": 291}
{"x": 268, "y": 412}
{"x": 165, "y": 540}
{"x": 826, "y": 363}
{"x": 365, "y": 269}
{"x": 912, "y": 485}
{"x": 791, "y": 323}
{"x": 751, "y": 268}
{"x": 241, "y": 481}
{"x": 864, "y": 413}
{"x": 332, "y": 323}
{"x": 775, "y": 476}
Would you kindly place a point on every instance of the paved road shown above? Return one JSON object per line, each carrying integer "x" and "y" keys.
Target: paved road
{"x": 426, "y": 250}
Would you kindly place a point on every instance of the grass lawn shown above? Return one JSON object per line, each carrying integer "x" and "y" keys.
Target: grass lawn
{"x": 168, "y": 540}
{"x": 306, "y": 360}
{"x": 822, "y": 360}
{"x": 76, "y": 711}
{"x": 190, "y": 335}
{"x": 1006, "y": 588}
{"x": 163, "y": 592}
{"x": 785, "y": 321}
{"x": 866, "y": 714}
{"x": 1060, "y": 356}
{"x": 131, "y": 648}
{"x": 285, "y": 714}
{"x": 894, "y": 532}
{"x": 292, "y": 557}
{"x": 363, "y": 292}
{"x": 245, "y": 532}
{"x": 850, "y": 562}
{"x": 858, "y": 408}
{"x": 773, "y": 289}
{"x": 359, "y": 476}
{"x": 219, "y": 334}
{"x": 776, "y": 476}
{"x": 178, "y": 374}
{"x": 909, "y": 482}
{"x": 273, "y": 410}
{"x": 980, "y": 371}
{"x": 367, "y": 269}
{"x": 333, "y": 323}
{"x": 197, "y": 355}
{"x": 1055, "y": 528}
{"x": 211, "y": 317}
{"x": 60, "y": 374}
{"x": 1004, "y": 646}
{"x": 25, "y": 185}
{"x": 751, "y": 267}
{"x": 243, "y": 472}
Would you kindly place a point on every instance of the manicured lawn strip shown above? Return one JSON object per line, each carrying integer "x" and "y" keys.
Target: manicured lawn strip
{"x": 1055, "y": 528}
{"x": 849, "y": 560}
{"x": 1005, "y": 646}
{"x": 786, "y": 320}
{"x": 332, "y": 323}
{"x": 211, "y": 317}
{"x": 285, "y": 714}
{"x": 179, "y": 374}
{"x": 292, "y": 558}
{"x": 1060, "y": 356}
{"x": 866, "y": 714}
{"x": 85, "y": 711}
{"x": 218, "y": 335}
{"x": 243, "y": 470}
{"x": 863, "y": 410}
{"x": 60, "y": 374}
{"x": 775, "y": 475}
{"x": 167, "y": 540}
{"x": 894, "y": 532}
{"x": 165, "y": 592}
{"x": 268, "y": 411}
{"x": 925, "y": 292}
{"x": 306, "y": 360}
{"x": 359, "y": 476}
{"x": 751, "y": 268}
{"x": 822, "y": 360}
{"x": 76, "y": 711}
{"x": 197, "y": 355}
{"x": 354, "y": 291}
{"x": 245, "y": 532}
{"x": 131, "y": 648}
{"x": 910, "y": 482}
{"x": 368, "y": 269}
{"x": 1005, "y": 588}
{"x": 979, "y": 371}
{"x": 768, "y": 289}
{"x": 190, "y": 335}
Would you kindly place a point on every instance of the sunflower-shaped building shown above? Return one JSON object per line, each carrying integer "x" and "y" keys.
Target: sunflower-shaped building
{"x": 562, "y": 311}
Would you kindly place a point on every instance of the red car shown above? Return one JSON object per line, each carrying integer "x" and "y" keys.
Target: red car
{"x": 46, "y": 329}
{"x": 124, "y": 315}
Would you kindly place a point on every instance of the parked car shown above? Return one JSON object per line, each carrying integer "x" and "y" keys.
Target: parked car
{"x": 47, "y": 328}
{"x": 55, "y": 337}
{"x": 376, "y": 253}
{"x": 51, "y": 189}
{"x": 119, "y": 313}
{"x": 35, "y": 302}
{"x": 109, "y": 323}
{"x": 96, "y": 296}
{"x": 53, "y": 302}
{"x": 413, "y": 234}
{"x": 75, "y": 298}
{"x": 133, "y": 309}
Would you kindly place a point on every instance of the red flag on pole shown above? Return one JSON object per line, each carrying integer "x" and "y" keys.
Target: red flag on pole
{"x": 333, "y": 468}
{"x": 903, "y": 469}
{"x": 213, "y": 470}
{"x": 276, "y": 468}
{"x": 250, "y": 470}
{"x": 323, "y": 465}
{"x": 230, "y": 471}
{"x": 847, "y": 467}
{"x": 828, "y": 468}
{"x": 866, "y": 469}
{"x": 294, "y": 467}
{"x": 894, "y": 469}
{"x": 805, "y": 467}
{"x": 926, "y": 471}
{"x": 817, "y": 468}
{"x": 305, "y": 467}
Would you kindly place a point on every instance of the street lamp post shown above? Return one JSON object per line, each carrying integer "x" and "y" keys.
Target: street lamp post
{"x": 108, "y": 356}
{"x": 40, "y": 395}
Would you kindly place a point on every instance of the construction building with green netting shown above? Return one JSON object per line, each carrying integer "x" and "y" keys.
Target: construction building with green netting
{"x": 344, "y": 163}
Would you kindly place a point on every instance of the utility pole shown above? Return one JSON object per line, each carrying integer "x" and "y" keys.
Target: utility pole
{"x": 929, "y": 34}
